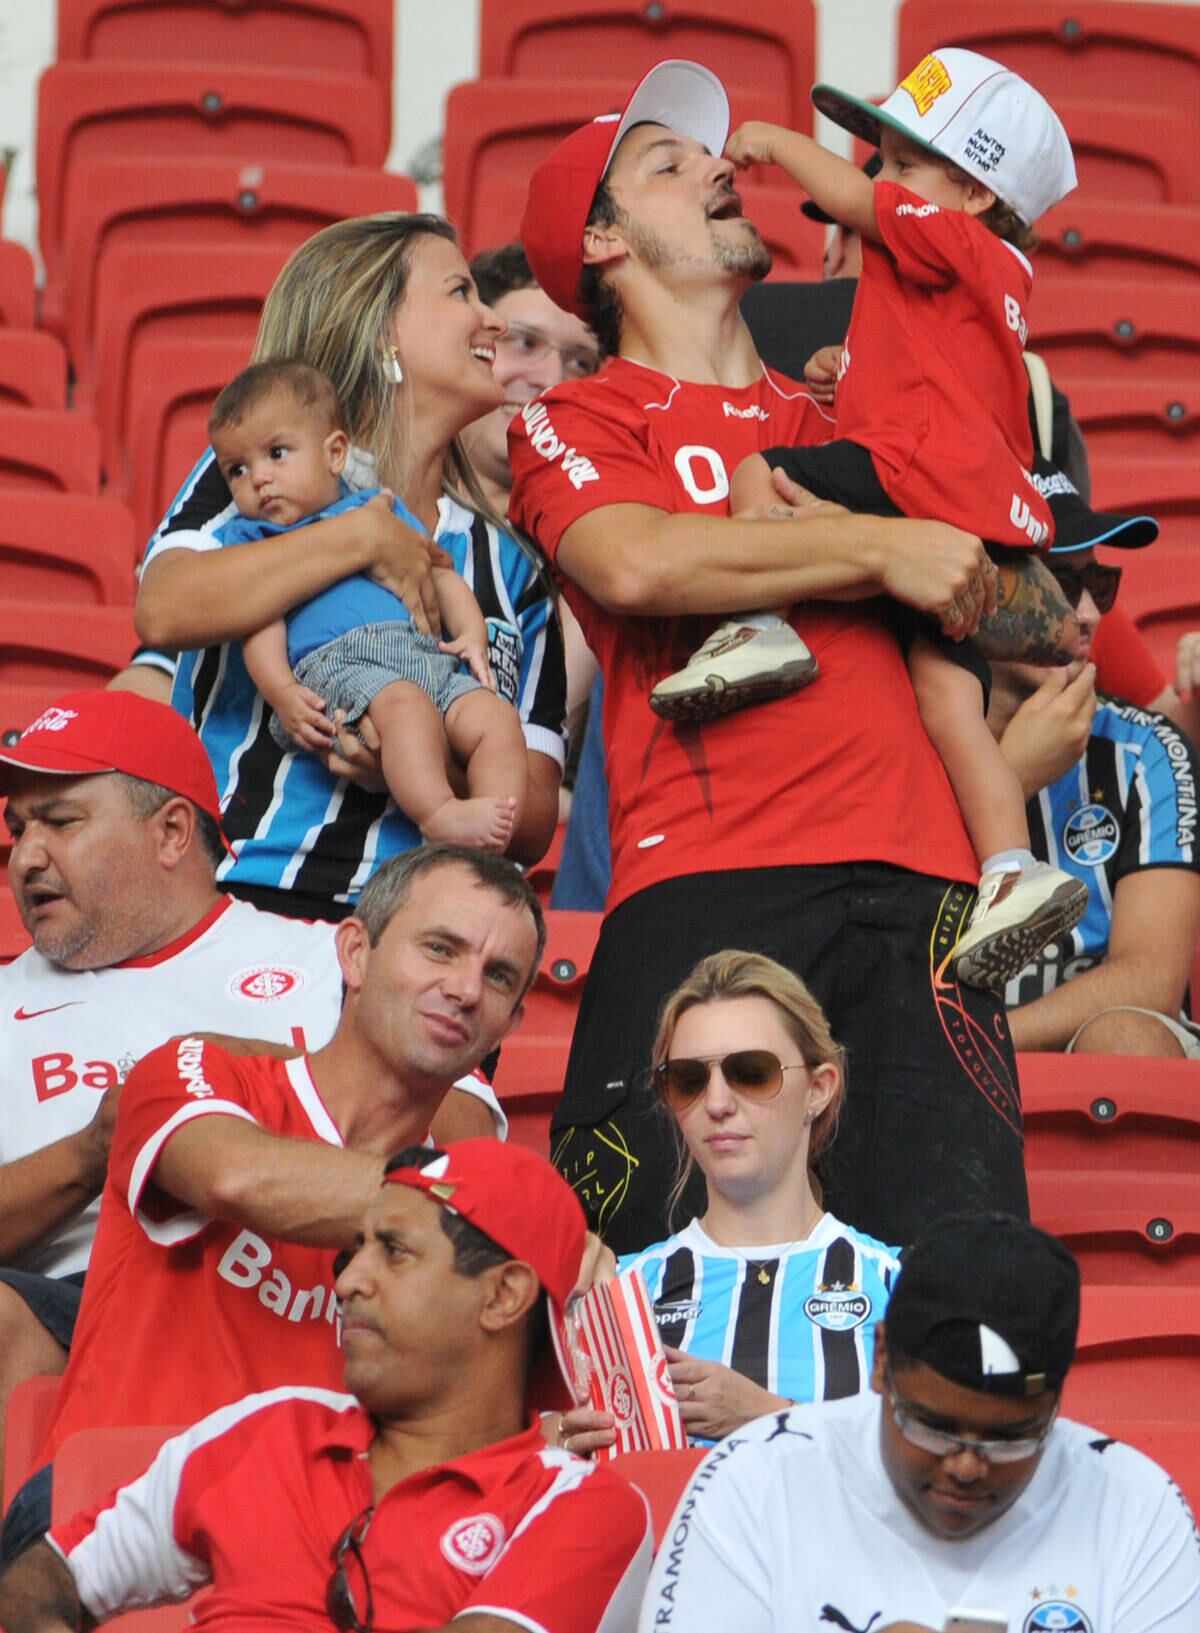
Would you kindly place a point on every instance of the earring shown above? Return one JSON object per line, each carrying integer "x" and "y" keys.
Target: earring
{"x": 392, "y": 370}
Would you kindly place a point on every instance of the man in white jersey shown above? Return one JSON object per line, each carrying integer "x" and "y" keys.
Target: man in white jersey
{"x": 955, "y": 1486}
{"x": 113, "y": 810}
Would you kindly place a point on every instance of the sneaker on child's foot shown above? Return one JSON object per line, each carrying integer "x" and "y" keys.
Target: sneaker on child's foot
{"x": 737, "y": 665}
{"x": 1016, "y": 913}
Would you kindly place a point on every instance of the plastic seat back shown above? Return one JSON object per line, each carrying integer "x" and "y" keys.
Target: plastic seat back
{"x": 1162, "y": 596}
{"x": 18, "y": 298}
{"x": 33, "y": 370}
{"x": 1083, "y": 238}
{"x": 66, "y": 548}
{"x": 1174, "y": 1446}
{"x": 14, "y": 939}
{"x": 1138, "y": 1355}
{"x": 47, "y": 649}
{"x": 662, "y": 1478}
{"x": 1137, "y": 420}
{"x": 1123, "y": 328}
{"x": 1102, "y": 1113}
{"x": 50, "y": 449}
{"x": 1131, "y": 1228}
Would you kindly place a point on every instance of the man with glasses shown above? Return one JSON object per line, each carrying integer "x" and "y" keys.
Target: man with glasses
{"x": 1112, "y": 799}
{"x": 954, "y": 1484}
{"x": 423, "y": 1497}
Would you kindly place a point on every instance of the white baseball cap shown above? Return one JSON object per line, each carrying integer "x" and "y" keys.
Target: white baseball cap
{"x": 979, "y": 115}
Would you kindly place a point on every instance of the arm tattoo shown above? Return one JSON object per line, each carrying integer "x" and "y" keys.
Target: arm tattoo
{"x": 37, "y": 1592}
{"x": 1033, "y": 622}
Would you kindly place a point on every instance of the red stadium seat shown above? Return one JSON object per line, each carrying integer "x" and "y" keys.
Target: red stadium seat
{"x": 47, "y": 649}
{"x": 209, "y": 202}
{"x": 534, "y": 1060}
{"x": 1146, "y": 156}
{"x": 1137, "y": 419}
{"x": 1160, "y": 591}
{"x": 661, "y": 1478}
{"x": 14, "y": 938}
{"x": 1103, "y": 49}
{"x": 1081, "y": 238}
{"x": 353, "y": 36}
{"x": 49, "y": 448}
{"x": 147, "y": 293}
{"x": 18, "y": 298}
{"x": 1125, "y": 329}
{"x": 499, "y": 130}
{"x": 1123, "y": 1227}
{"x": 122, "y": 110}
{"x": 1173, "y": 1446}
{"x": 1106, "y": 1112}
{"x": 170, "y": 399}
{"x": 88, "y": 1465}
{"x": 30, "y": 1403}
{"x": 33, "y": 370}
{"x": 541, "y": 874}
{"x": 1170, "y": 490}
{"x": 66, "y": 548}
{"x": 759, "y": 43}
{"x": 1138, "y": 1355}
{"x": 797, "y": 244}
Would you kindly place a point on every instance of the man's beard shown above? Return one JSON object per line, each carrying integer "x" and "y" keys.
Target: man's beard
{"x": 748, "y": 257}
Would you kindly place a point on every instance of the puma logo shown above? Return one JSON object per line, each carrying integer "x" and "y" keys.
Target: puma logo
{"x": 781, "y": 1428}
{"x": 831, "y": 1613}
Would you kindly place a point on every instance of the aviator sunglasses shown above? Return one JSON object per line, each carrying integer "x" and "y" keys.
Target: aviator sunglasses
{"x": 755, "y": 1073}
{"x": 1101, "y": 583}
{"x": 342, "y": 1603}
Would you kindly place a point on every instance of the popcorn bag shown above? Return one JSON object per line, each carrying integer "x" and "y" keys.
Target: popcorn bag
{"x": 621, "y": 1355}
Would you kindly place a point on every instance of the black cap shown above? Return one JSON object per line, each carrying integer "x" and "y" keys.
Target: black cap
{"x": 814, "y": 212}
{"x": 1077, "y": 526}
{"x": 989, "y": 1302}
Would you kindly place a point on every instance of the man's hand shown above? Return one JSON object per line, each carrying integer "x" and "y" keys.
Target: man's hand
{"x": 598, "y": 1264}
{"x": 581, "y": 1430}
{"x": 99, "y": 1132}
{"x": 474, "y": 655}
{"x": 354, "y": 753}
{"x": 402, "y": 561}
{"x": 1049, "y": 732}
{"x": 302, "y": 715}
{"x": 821, "y": 373}
{"x": 713, "y": 1399}
{"x": 753, "y": 143}
{"x": 941, "y": 570}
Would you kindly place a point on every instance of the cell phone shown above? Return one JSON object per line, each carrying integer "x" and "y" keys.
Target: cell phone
{"x": 975, "y": 1621}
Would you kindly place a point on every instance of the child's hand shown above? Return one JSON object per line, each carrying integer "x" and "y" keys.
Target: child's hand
{"x": 474, "y": 654}
{"x": 302, "y": 714}
{"x": 821, "y": 371}
{"x": 753, "y": 143}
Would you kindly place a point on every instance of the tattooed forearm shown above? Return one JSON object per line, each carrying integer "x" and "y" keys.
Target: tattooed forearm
{"x": 1033, "y": 622}
{"x": 37, "y": 1594}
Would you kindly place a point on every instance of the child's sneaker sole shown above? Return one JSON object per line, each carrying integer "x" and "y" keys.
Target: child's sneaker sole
{"x": 716, "y": 695}
{"x": 994, "y": 960}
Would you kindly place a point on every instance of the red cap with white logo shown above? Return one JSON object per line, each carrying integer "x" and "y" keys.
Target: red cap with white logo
{"x": 527, "y": 1208}
{"x": 85, "y": 733}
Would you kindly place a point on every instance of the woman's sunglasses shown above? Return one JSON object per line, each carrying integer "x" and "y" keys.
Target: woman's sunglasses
{"x": 1101, "y": 583}
{"x": 348, "y": 1601}
{"x": 755, "y": 1073}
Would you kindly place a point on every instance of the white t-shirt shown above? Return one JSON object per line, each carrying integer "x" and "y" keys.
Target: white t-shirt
{"x": 791, "y": 1525}
{"x": 67, "y": 1035}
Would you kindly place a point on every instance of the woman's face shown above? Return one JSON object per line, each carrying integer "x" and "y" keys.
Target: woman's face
{"x": 446, "y": 337}
{"x": 748, "y": 1148}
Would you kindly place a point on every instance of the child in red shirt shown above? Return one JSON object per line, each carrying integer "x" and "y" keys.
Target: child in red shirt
{"x": 932, "y": 420}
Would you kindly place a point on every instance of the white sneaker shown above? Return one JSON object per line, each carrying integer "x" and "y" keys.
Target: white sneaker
{"x": 736, "y": 666}
{"x": 1016, "y": 913}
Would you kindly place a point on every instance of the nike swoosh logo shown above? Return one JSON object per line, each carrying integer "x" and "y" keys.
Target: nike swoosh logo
{"x": 23, "y": 1014}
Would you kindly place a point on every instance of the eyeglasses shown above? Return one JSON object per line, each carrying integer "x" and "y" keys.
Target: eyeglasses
{"x": 940, "y": 1443}
{"x": 524, "y": 345}
{"x": 341, "y": 1599}
{"x": 1101, "y": 583}
{"x": 755, "y": 1073}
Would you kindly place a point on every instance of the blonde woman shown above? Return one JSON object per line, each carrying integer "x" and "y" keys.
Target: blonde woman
{"x": 765, "y": 1299}
{"x": 385, "y": 307}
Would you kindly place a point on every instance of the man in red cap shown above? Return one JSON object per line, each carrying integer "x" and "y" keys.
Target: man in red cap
{"x": 819, "y": 829}
{"x": 424, "y": 1497}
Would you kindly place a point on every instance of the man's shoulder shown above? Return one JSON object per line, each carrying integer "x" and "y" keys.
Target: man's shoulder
{"x": 1102, "y": 1470}
{"x": 199, "y": 1064}
{"x": 1118, "y": 721}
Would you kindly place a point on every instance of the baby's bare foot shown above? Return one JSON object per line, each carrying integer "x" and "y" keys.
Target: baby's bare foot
{"x": 485, "y": 823}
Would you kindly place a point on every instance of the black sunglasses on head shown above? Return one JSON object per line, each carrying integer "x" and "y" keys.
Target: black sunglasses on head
{"x": 1101, "y": 583}
{"x": 341, "y": 1600}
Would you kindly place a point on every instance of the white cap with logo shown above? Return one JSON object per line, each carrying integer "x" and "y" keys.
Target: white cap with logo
{"x": 979, "y": 115}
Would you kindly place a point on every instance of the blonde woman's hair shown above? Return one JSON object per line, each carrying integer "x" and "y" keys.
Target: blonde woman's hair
{"x": 732, "y": 974}
{"x": 332, "y": 306}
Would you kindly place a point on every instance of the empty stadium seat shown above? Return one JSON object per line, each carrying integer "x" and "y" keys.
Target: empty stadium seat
{"x": 1126, "y": 1227}
{"x": 49, "y": 448}
{"x": 14, "y": 938}
{"x": 66, "y": 548}
{"x": 18, "y": 299}
{"x": 1126, "y": 329}
{"x": 355, "y": 36}
{"x": 1137, "y": 419}
{"x": 533, "y": 1061}
{"x": 661, "y": 1478}
{"x": 122, "y": 110}
{"x": 171, "y": 397}
{"x": 1104, "y": 49}
{"x": 1081, "y": 238}
{"x": 758, "y": 43}
{"x": 1104, "y": 1112}
{"x": 206, "y": 201}
{"x": 147, "y": 293}
{"x": 1160, "y": 591}
{"x": 498, "y": 131}
{"x": 33, "y": 370}
{"x": 47, "y": 649}
{"x": 30, "y": 1403}
{"x": 1148, "y": 155}
{"x": 541, "y": 874}
{"x": 1138, "y": 1355}
{"x": 1169, "y": 488}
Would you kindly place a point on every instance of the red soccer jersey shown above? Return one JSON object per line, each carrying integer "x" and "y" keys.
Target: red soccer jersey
{"x": 840, "y": 772}
{"x": 181, "y": 1313}
{"x": 933, "y": 382}
{"x": 1125, "y": 665}
{"x": 255, "y": 1499}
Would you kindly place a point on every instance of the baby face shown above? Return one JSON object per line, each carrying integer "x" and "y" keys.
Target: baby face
{"x": 281, "y": 463}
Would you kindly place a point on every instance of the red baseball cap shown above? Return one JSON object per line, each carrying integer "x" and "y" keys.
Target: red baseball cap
{"x": 682, "y": 95}
{"x": 527, "y": 1208}
{"x": 85, "y": 733}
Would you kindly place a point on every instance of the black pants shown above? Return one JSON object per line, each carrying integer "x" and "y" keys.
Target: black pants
{"x": 931, "y": 1122}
